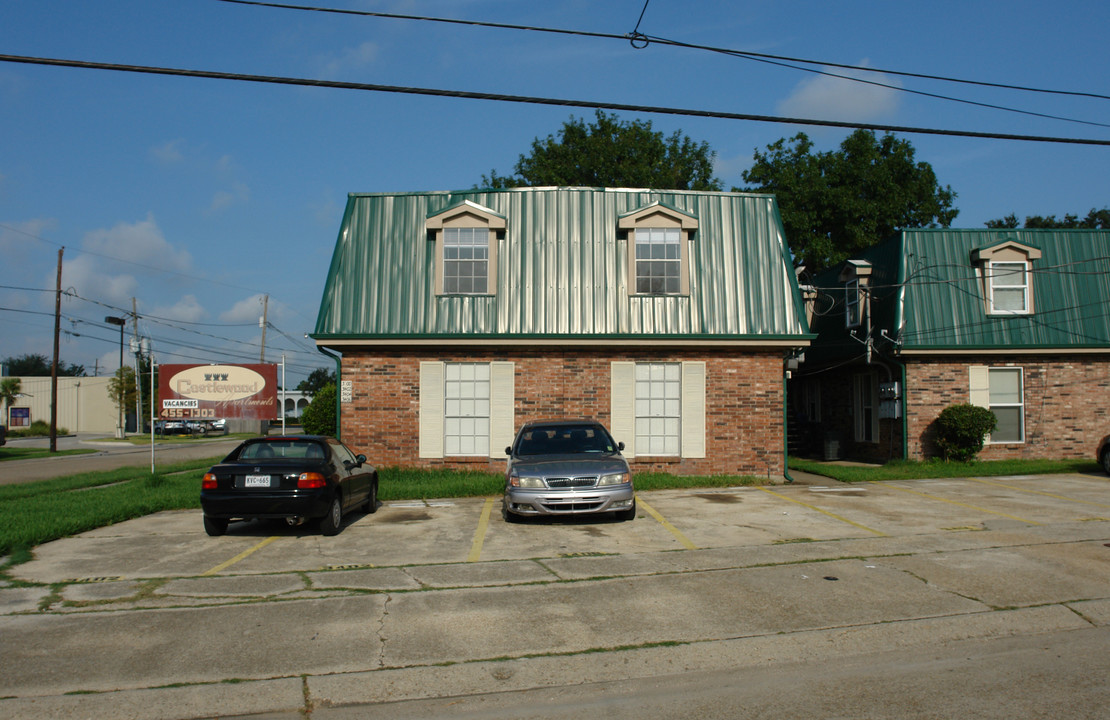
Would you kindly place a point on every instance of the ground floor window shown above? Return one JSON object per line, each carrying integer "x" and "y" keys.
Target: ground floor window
{"x": 466, "y": 395}
{"x": 1007, "y": 402}
{"x": 658, "y": 408}
{"x": 865, "y": 408}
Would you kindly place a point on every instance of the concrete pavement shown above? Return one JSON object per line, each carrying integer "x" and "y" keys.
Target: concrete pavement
{"x": 441, "y": 599}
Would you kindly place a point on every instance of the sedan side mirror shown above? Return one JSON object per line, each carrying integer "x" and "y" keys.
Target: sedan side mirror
{"x": 361, "y": 459}
{"x": 620, "y": 446}
{"x": 509, "y": 450}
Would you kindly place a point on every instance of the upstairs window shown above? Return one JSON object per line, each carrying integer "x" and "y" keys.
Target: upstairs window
{"x": 1009, "y": 287}
{"x": 465, "y": 260}
{"x": 852, "y": 315}
{"x": 658, "y": 250}
{"x": 658, "y": 261}
{"x": 465, "y": 238}
{"x": 1005, "y": 271}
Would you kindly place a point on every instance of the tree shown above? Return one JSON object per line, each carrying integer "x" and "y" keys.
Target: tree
{"x": 39, "y": 366}
{"x": 1095, "y": 220}
{"x": 10, "y": 388}
{"x": 835, "y": 204}
{"x": 611, "y": 153}
{"x": 319, "y": 417}
{"x": 316, "y": 380}
{"x": 123, "y": 390}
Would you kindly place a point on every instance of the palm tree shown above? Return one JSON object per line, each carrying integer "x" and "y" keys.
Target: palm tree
{"x": 10, "y": 388}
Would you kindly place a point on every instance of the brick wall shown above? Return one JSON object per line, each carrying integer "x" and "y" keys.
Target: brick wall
{"x": 744, "y": 413}
{"x": 1065, "y": 403}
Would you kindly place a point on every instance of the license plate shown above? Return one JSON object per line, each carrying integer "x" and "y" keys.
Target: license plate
{"x": 257, "y": 481}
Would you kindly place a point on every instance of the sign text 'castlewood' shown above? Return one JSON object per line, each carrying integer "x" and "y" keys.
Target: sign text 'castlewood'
{"x": 218, "y": 391}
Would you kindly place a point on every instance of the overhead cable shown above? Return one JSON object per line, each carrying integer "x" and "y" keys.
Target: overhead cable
{"x": 563, "y": 102}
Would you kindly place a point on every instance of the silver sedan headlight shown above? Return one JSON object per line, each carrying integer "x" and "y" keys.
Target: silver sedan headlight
{"x": 614, "y": 479}
{"x": 526, "y": 482}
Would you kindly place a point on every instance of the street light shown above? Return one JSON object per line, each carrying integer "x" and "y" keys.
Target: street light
{"x": 121, "y": 322}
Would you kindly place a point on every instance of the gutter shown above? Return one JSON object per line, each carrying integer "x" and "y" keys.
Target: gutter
{"x": 338, "y": 397}
{"x": 785, "y": 435}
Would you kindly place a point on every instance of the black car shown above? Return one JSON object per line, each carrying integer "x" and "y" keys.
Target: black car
{"x": 1103, "y": 454}
{"x": 294, "y": 477}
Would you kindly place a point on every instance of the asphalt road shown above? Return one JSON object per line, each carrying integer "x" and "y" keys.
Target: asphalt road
{"x": 971, "y": 597}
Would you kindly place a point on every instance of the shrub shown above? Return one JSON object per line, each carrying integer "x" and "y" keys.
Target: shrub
{"x": 319, "y": 417}
{"x": 961, "y": 430}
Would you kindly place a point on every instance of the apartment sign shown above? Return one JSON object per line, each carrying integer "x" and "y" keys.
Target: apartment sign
{"x": 210, "y": 392}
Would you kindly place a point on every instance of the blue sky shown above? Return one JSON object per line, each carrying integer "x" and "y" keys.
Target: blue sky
{"x": 197, "y": 197}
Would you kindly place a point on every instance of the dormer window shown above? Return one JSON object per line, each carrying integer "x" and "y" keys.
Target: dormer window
{"x": 1009, "y": 287}
{"x": 856, "y": 275}
{"x": 658, "y": 250}
{"x": 1004, "y": 270}
{"x": 465, "y": 238}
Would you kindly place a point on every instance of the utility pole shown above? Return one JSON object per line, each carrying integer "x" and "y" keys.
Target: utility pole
{"x": 262, "y": 323}
{"x": 54, "y": 366}
{"x": 137, "y": 349}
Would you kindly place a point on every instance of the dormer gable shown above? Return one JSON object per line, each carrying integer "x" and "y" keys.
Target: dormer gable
{"x": 465, "y": 236}
{"x": 1004, "y": 270}
{"x": 658, "y": 249}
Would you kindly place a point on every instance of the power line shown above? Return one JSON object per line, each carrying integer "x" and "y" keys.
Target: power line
{"x": 498, "y": 97}
{"x": 640, "y": 41}
{"x": 664, "y": 41}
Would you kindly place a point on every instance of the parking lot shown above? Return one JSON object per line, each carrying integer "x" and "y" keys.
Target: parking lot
{"x": 435, "y": 597}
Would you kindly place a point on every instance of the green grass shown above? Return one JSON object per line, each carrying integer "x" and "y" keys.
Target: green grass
{"x": 11, "y": 453}
{"x": 913, "y": 470}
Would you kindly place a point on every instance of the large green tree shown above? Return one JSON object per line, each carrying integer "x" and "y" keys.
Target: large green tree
{"x": 316, "y": 380}
{"x": 1095, "y": 220}
{"x": 609, "y": 152}
{"x": 835, "y": 204}
{"x": 39, "y": 366}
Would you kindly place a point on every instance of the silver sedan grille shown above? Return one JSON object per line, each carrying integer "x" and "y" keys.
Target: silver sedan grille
{"x": 563, "y": 482}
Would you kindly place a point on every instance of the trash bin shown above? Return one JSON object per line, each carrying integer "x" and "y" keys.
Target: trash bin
{"x": 832, "y": 449}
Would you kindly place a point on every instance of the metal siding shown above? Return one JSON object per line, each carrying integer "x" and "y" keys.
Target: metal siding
{"x": 944, "y": 305}
{"x": 561, "y": 269}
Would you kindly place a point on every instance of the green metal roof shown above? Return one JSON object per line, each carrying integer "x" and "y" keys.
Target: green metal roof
{"x": 561, "y": 270}
{"x": 928, "y": 296}
{"x": 943, "y": 305}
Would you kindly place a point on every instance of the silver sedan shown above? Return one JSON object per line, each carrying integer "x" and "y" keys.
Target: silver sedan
{"x": 567, "y": 467}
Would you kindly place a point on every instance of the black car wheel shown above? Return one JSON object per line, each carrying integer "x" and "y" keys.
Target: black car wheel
{"x": 1105, "y": 460}
{"x": 371, "y": 505}
{"x": 330, "y": 523}
{"x": 215, "y": 526}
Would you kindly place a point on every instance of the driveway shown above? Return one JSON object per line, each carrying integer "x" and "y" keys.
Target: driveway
{"x": 441, "y": 599}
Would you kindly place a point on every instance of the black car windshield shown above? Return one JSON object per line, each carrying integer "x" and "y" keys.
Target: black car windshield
{"x": 564, "y": 440}
{"x": 278, "y": 449}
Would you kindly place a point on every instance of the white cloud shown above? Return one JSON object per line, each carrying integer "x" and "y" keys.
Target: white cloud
{"x": 356, "y": 58}
{"x": 826, "y": 97}
{"x": 168, "y": 152}
{"x": 246, "y": 310}
{"x": 140, "y": 242}
{"x": 187, "y": 309}
{"x": 239, "y": 194}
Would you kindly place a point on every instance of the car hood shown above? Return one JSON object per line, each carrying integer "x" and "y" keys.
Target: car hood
{"x": 569, "y": 465}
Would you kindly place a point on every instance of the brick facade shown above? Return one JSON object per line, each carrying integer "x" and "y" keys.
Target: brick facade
{"x": 743, "y": 413}
{"x": 1065, "y": 403}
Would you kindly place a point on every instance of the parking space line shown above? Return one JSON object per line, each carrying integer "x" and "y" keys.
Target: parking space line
{"x": 480, "y": 533}
{"x": 662, "y": 521}
{"x": 240, "y": 556}
{"x": 956, "y": 502}
{"x": 1039, "y": 492}
{"x": 834, "y": 516}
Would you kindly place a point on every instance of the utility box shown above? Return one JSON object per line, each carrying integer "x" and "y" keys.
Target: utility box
{"x": 890, "y": 401}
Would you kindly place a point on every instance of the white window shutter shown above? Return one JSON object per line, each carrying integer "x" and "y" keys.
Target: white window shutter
{"x": 979, "y": 386}
{"x": 502, "y": 415}
{"x": 622, "y": 405}
{"x": 693, "y": 409}
{"x": 431, "y": 410}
